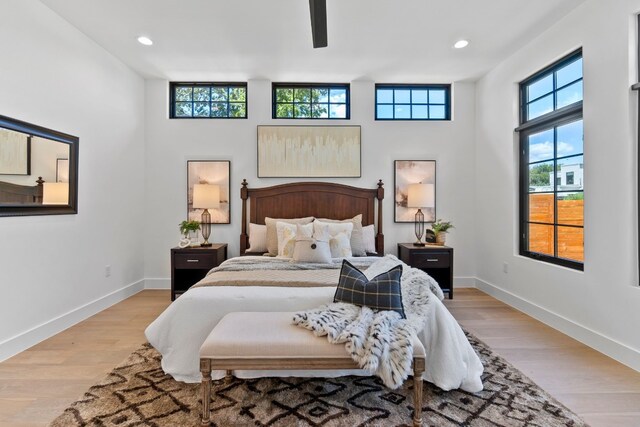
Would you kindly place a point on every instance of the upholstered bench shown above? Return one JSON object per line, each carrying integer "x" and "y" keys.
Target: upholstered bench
{"x": 268, "y": 341}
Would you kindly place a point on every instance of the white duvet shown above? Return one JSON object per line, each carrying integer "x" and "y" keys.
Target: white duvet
{"x": 181, "y": 329}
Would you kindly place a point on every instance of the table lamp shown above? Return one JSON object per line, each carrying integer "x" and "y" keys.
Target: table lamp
{"x": 420, "y": 196}
{"x": 55, "y": 193}
{"x": 206, "y": 196}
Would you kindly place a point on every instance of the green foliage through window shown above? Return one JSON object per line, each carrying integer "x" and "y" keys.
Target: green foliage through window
{"x": 208, "y": 100}
{"x": 310, "y": 101}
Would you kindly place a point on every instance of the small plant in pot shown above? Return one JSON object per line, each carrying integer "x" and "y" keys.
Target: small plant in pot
{"x": 189, "y": 231}
{"x": 441, "y": 228}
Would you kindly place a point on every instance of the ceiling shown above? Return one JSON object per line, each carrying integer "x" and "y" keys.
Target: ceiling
{"x": 381, "y": 40}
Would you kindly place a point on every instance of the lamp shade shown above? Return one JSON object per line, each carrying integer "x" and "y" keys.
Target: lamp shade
{"x": 55, "y": 193}
{"x": 206, "y": 196}
{"x": 421, "y": 196}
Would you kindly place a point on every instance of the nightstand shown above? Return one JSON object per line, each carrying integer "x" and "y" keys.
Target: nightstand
{"x": 190, "y": 265}
{"x": 436, "y": 261}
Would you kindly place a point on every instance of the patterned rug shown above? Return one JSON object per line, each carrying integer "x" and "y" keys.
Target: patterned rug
{"x": 138, "y": 393}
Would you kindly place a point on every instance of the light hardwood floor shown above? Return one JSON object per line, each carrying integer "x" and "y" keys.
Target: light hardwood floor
{"x": 37, "y": 384}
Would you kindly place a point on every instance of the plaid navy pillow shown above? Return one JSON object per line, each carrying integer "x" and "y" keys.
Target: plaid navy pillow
{"x": 380, "y": 293}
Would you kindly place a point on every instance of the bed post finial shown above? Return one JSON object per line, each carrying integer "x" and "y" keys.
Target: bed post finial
{"x": 379, "y": 235}
{"x": 244, "y": 237}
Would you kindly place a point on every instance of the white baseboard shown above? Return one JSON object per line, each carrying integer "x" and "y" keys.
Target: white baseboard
{"x": 612, "y": 348}
{"x": 464, "y": 282}
{"x": 157, "y": 283}
{"x": 33, "y": 336}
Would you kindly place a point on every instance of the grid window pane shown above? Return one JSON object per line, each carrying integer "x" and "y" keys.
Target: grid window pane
{"x": 540, "y": 107}
{"x": 384, "y": 111}
{"x": 385, "y": 96}
{"x": 570, "y": 139}
{"x": 541, "y": 177}
{"x": 571, "y": 208}
{"x": 419, "y": 112}
{"x": 569, "y": 73}
{"x": 541, "y": 146}
{"x": 539, "y": 88}
{"x": 420, "y": 96}
{"x": 541, "y": 239}
{"x": 208, "y": 100}
{"x": 572, "y": 168}
{"x": 314, "y": 101}
{"x": 542, "y": 208}
{"x": 402, "y": 111}
{"x": 412, "y": 102}
{"x": 571, "y": 243}
{"x": 569, "y": 95}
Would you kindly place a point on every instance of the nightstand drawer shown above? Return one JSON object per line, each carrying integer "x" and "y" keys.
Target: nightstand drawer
{"x": 194, "y": 260}
{"x": 430, "y": 259}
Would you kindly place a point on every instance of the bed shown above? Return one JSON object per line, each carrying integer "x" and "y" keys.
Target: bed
{"x": 180, "y": 330}
{"x": 21, "y": 194}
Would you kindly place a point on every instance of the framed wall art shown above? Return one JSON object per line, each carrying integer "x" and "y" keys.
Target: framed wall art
{"x": 413, "y": 172}
{"x": 215, "y": 172}
{"x": 15, "y": 153}
{"x": 309, "y": 152}
{"x": 62, "y": 170}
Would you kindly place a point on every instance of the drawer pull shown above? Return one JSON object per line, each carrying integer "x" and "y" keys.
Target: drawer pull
{"x": 432, "y": 260}
{"x": 193, "y": 260}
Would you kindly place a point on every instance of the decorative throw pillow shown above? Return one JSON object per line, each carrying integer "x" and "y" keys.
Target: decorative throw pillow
{"x": 272, "y": 234}
{"x": 357, "y": 243}
{"x": 340, "y": 237}
{"x": 380, "y": 293}
{"x": 311, "y": 249}
{"x": 287, "y": 236}
{"x": 369, "y": 239}
{"x": 257, "y": 238}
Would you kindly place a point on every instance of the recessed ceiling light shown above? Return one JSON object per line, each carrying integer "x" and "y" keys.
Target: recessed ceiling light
{"x": 145, "y": 40}
{"x": 460, "y": 44}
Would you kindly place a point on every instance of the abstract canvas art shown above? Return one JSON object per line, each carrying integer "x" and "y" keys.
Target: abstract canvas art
{"x": 15, "y": 153}
{"x": 308, "y": 151}
{"x": 413, "y": 172}
{"x": 209, "y": 172}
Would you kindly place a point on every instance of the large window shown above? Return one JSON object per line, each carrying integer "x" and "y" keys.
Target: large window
{"x": 310, "y": 101}
{"x": 208, "y": 100}
{"x": 552, "y": 164}
{"x": 413, "y": 102}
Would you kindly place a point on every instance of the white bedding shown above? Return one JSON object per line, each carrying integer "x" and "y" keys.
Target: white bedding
{"x": 181, "y": 329}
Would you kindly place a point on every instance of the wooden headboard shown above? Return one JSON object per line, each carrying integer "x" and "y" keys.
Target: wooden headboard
{"x": 318, "y": 199}
{"x": 20, "y": 194}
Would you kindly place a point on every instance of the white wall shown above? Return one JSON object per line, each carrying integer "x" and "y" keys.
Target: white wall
{"x": 600, "y": 305}
{"x": 170, "y": 143}
{"x": 52, "y": 267}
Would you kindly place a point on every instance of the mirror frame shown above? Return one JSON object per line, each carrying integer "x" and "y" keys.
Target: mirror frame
{"x": 42, "y": 132}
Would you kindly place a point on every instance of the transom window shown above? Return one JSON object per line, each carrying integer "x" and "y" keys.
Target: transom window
{"x": 310, "y": 101}
{"x": 552, "y": 168}
{"x": 208, "y": 100}
{"x": 554, "y": 88}
{"x": 413, "y": 102}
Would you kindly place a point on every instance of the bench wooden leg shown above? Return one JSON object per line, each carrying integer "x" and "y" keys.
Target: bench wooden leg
{"x": 205, "y": 369}
{"x": 418, "y": 369}
{"x": 229, "y": 377}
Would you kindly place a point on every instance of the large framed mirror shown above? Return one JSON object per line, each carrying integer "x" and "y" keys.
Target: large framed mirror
{"x": 38, "y": 170}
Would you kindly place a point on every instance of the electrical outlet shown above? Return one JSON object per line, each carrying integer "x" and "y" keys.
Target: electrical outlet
{"x": 505, "y": 267}
{"x": 107, "y": 271}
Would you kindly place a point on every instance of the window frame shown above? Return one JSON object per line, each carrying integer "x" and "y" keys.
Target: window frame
{"x": 311, "y": 86}
{"x": 172, "y": 100}
{"x": 551, "y": 120}
{"x": 410, "y": 86}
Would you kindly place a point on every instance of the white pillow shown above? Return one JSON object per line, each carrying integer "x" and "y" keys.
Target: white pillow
{"x": 311, "y": 249}
{"x": 369, "y": 239}
{"x": 286, "y": 233}
{"x": 272, "y": 235}
{"x": 357, "y": 245}
{"x": 340, "y": 233}
{"x": 257, "y": 238}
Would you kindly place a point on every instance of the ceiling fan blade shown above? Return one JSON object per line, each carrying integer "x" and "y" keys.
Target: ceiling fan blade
{"x": 318, "y": 22}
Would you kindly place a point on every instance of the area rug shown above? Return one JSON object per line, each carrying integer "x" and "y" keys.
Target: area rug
{"x": 138, "y": 393}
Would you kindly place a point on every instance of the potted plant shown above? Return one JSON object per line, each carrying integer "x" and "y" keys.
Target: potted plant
{"x": 441, "y": 228}
{"x": 189, "y": 231}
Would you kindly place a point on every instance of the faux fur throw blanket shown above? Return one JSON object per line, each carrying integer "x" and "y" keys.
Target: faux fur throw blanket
{"x": 381, "y": 342}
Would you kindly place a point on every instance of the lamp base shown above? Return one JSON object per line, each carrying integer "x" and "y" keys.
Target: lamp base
{"x": 207, "y": 245}
{"x": 419, "y": 244}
